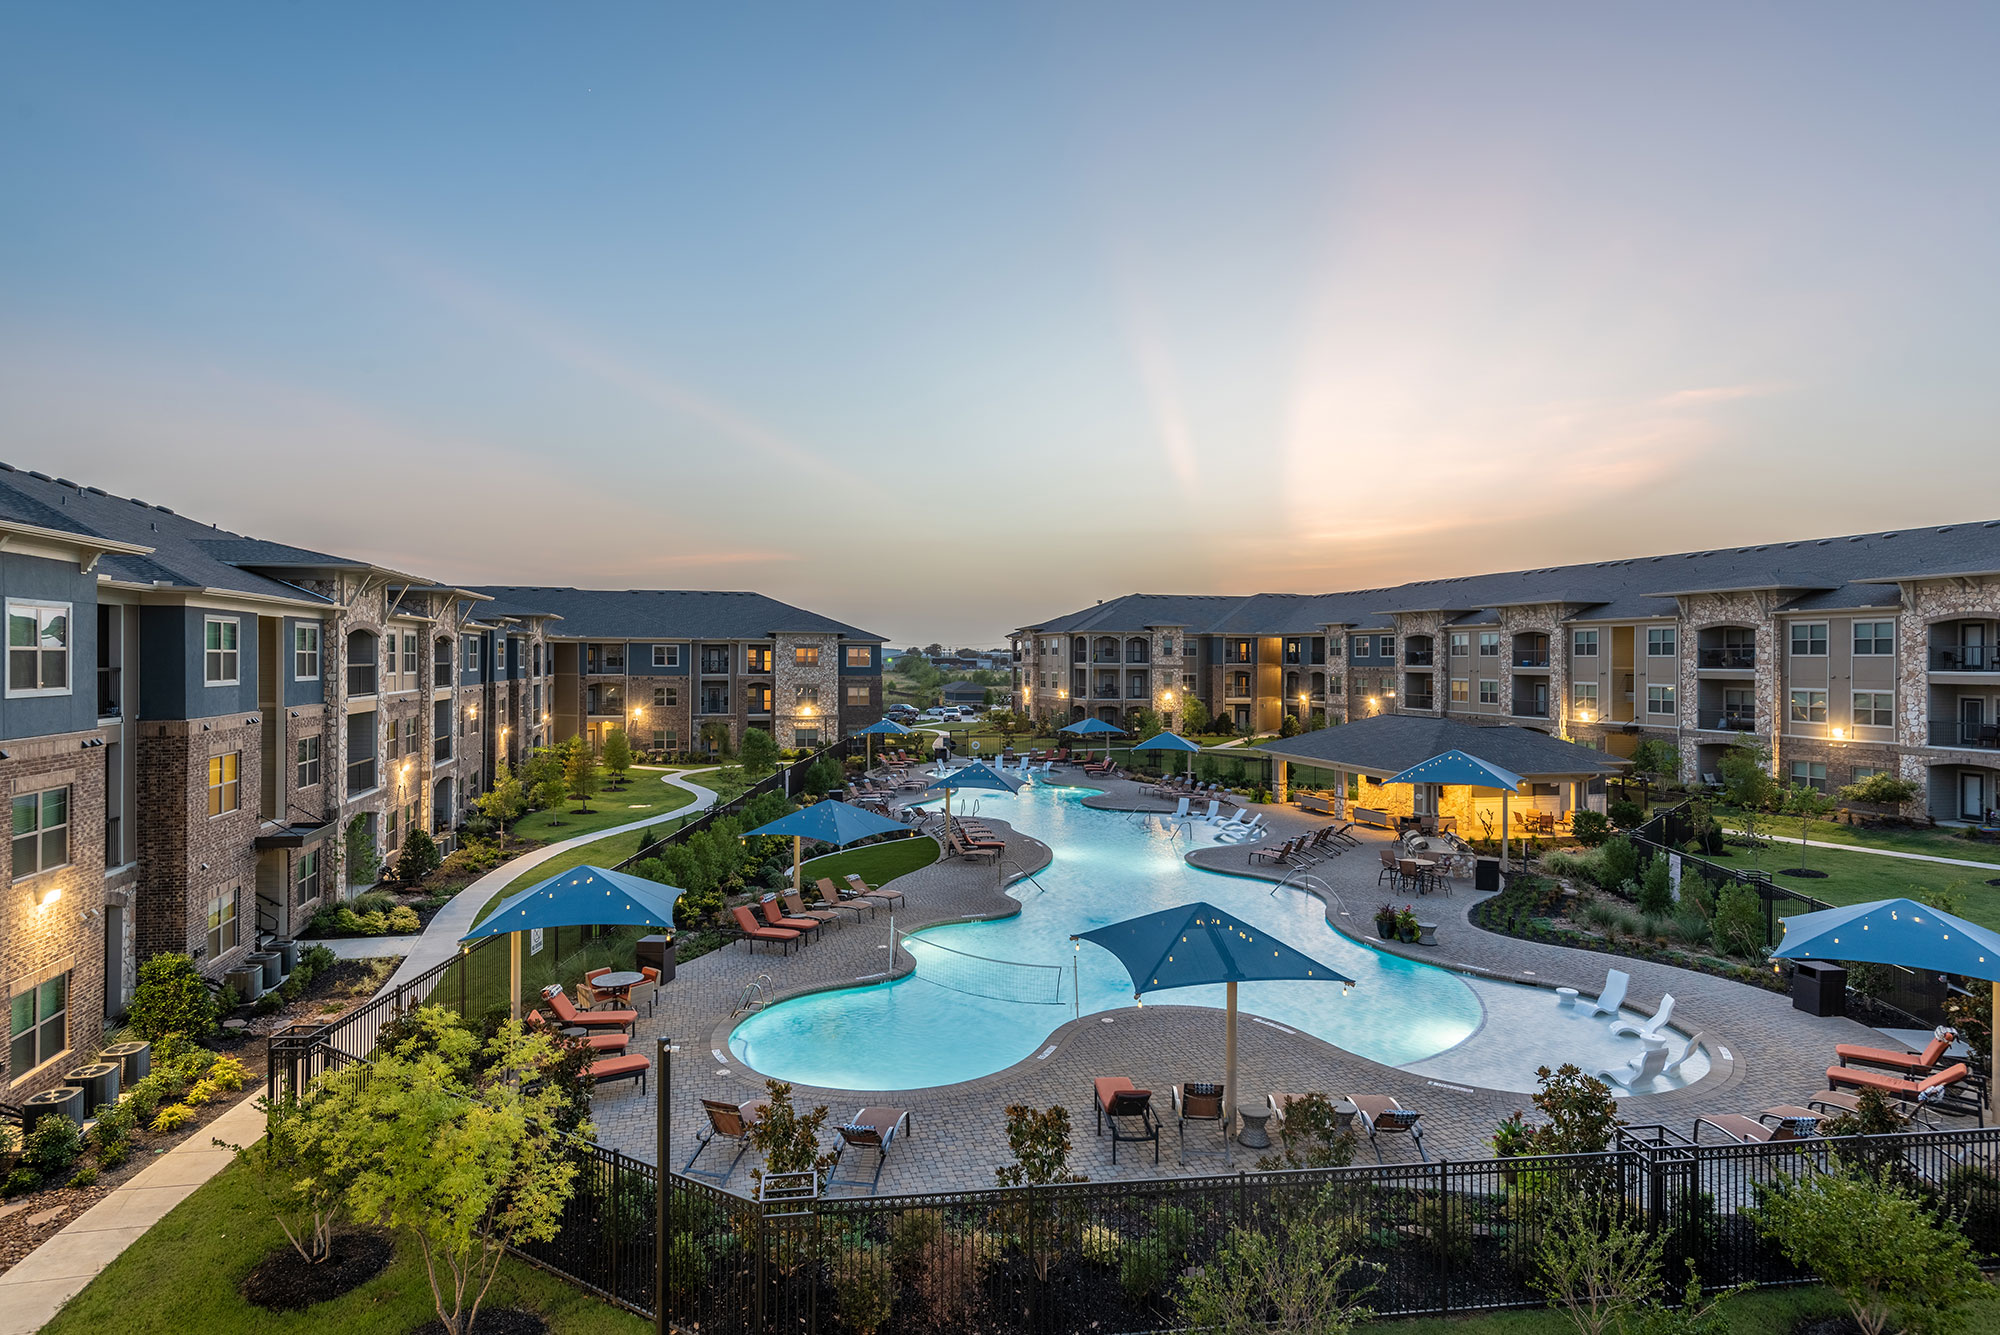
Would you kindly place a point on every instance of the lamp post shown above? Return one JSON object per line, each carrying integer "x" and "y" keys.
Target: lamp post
{"x": 664, "y": 1139}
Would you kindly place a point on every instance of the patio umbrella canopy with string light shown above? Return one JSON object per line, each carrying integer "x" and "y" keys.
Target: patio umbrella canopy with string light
{"x": 976, "y": 776}
{"x": 1093, "y": 727}
{"x": 1168, "y": 741}
{"x": 1456, "y": 767}
{"x": 583, "y": 896}
{"x": 1901, "y": 932}
{"x": 881, "y": 728}
{"x": 828, "y": 822}
{"x": 1197, "y": 944}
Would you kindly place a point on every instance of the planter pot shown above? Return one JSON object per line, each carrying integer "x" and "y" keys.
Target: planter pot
{"x": 64, "y": 1102}
{"x": 98, "y": 1081}
{"x": 135, "y": 1059}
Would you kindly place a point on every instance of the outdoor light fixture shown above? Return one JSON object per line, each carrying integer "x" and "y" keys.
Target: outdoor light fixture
{"x": 47, "y": 896}
{"x": 1839, "y": 734}
{"x": 638, "y": 711}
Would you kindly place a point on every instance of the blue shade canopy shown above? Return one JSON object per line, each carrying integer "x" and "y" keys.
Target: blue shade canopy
{"x": 583, "y": 897}
{"x": 1089, "y": 726}
{"x": 976, "y": 775}
{"x": 1167, "y": 741}
{"x": 1198, "y": 943}
{"x": 1456, "y": 767}
{"x": 1893, "y": 931}
{"x": 885, "y": 728}
{"x": 830, "y": 822}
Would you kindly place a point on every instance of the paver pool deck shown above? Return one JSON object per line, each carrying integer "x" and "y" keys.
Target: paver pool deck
{"x": 1763, "y": 1051}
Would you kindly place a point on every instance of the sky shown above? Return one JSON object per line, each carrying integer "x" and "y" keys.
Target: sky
{"x": 943, "y": 319}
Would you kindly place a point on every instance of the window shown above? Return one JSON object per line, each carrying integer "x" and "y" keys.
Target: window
{"x": 40, "y": 1025}
{"x": 857, "y": 693}
{"x": 1660, "y": 643}
{"x": 659, "y": 739}
{"x": 805, "y": 736}
{"x": 1335, "y": 647}
{"x": 1167, "y": 647}
{"x": 472, "y": 655}
{"x": 305, "y": 653}
{"x": 394, "y": 836}
{"x": 223, "y": 792}
{"x": 1874, "y": 709}
{"x": 1808, "y": 706}
{"x": 1586, "y": 644}
{"x": 1387, "y": 647}
{"x": 409, "y": 653}
{"x": 305, "y": 877}
{"x": 809, "y": 695}
{"x": 860, "y": 656}
{"x": 1584, "y": 694}
{"x": 1660, "y": 700}
{"x": 666, "y": 655}
{"x": 219, "y": 645}
{"x": 1461, "y": 644}
{"x": 805, "y": 655}
{"x": 1809, "y": 639}
{"x": 308, "y": 761}
{"x": 41, "y": 831}
{"x": 1489, "y": 691}
{"x": 1809, "y": 773}
{"x": 1461, "y": 690}
{"x": 1864, "y": 772}
{"x": 1489, "y": 644}
{"x": 1187, "y": 681}
{"x": 222, "y": 924}
{"x": 37, "y": 648}
{"x": 1874, "y": 637}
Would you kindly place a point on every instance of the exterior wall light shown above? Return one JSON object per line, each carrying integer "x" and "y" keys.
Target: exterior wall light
{"x": 47, "y": 896}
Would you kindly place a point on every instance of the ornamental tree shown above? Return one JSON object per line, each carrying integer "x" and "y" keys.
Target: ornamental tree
{"x": 617, "y": 755}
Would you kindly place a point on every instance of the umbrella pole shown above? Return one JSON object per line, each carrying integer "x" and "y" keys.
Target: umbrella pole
{"x": 1229, "y": 1076}
{"x": 1996, "y": 1027}
{"x": 1503, "y": 830}
{"x": 514, "y": 972}
{"x": 795, "y": 865}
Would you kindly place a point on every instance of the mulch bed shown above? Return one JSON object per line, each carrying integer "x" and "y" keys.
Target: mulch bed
{"x": 285, "y": 1282}
{"x": 310, "y": 1007}
{"x": 496, "y": 1321}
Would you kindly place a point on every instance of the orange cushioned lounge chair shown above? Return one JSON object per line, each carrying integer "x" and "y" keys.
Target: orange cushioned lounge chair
{"x": 1910, "y": 1063}
{"x": 1929, "y": 1089}
{"x": 753, "y": 932}
{"x": 568, "y": 1015}
{"x": 599, "y": 1043}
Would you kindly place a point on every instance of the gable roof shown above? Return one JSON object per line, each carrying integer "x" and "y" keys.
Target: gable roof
{"x": 1391, "y": 743}
{"x": 666, "y": 614}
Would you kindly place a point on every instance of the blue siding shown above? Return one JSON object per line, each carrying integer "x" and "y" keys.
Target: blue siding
{"x": 170, "y": 663}
{"x": 55, "y": 581}
{"x": 874, "y": 668}
{"x": 639, "y": 660}
{"x": 302, "y": 692}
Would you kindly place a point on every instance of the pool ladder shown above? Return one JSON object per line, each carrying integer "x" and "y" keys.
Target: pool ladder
{"x": 1025, "y": 875}
{"x": 1305, "y": 882}
{"x": 755, "y": 995}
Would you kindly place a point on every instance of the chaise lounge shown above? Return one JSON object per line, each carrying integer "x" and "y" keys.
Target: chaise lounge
{"x": 633, "y": 1066}
{"x": 1117, "y": 1099}
{"x": 1909, "y": 1063}
{"x": 753, "y": 932}
{"x": 1932, "y": 1089}
{"x": 726, "y": 1121}
{"x": 569, "y": 1016}
{"x": 1381, "y": 1114}
{"x": 871, "y": 1129}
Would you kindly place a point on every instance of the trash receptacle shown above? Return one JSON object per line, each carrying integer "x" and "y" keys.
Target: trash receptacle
{"x": 657, "y": 952}
{"x": 1486, "y": 874}
{"x": 1819, "y": 988}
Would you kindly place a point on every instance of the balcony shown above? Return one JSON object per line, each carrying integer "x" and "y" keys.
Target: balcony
{"x": 360, "y": 679}
{"x": 1729, "y": 659}
{"x": 1726, "y": 720}
{"x": 360, "y": 775}
{"x": 441, "y": 749}
{"x": 1955, "y": 732}
{"x": 1137, "y": 656}
{"x": 441, "y": 675}
{"x": 1420, "y": 702}
{"x": 1531, "y": 709}
{"x": 1966, "y": 658}
{"x": 715, "y": 704}
{"x": 1417, "y": 657}
{"x": 1531, "y": 658}
{"x": 715, "y": 665}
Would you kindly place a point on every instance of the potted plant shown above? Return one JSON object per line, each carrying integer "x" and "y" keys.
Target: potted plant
{"x": 1408, "y": 929}
{"x": 1385, "y": 922}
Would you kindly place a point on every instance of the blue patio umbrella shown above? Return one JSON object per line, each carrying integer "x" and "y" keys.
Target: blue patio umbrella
{"x": 1091, "y": 727}
{"x": 977, "y": 775}
{"x": 583, "y": 896}
{"x": 1169, "y": 741}
{"x": 1198, "y": 943}
{"x": 829, "y": 822}
{"x": 1896, "y": 931}
{"x": 1457, "y": 767}
{"x": 881, "y": 728}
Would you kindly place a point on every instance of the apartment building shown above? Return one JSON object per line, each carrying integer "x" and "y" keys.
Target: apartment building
{"x": 1843, "y": 656}
{"x": 678, "y": 668}
{"x": 197, "y": 726}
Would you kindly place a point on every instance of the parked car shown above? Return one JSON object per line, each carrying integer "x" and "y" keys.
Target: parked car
{"x": 936, "y": 715}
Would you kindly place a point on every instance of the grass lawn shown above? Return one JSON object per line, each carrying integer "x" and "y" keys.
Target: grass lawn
{"x": 643, "y": 795}
{"x": 182, "y": 1275}
{"x": 1854, "y": 877}
{"x": 1934, "y": 843}
{"x": 875, "y": 863}
{"x": 1760, "y": 1312}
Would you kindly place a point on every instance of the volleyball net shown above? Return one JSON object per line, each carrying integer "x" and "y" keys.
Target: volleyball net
{"x": 982, "y": 975}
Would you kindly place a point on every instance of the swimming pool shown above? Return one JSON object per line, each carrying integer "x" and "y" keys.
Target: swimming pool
{"x": 943, "y": 1024}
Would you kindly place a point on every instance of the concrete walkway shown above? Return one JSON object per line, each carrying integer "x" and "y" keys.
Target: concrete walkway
{"x": 49, "y": 1276}
{"x": 440, "y": 939}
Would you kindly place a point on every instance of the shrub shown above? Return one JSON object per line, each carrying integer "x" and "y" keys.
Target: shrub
{"x": 1295, "y": 1279}
{"x": 1593, "y": 1263}
{"x": 113, "y": 1155}
{"x": 1311, "y": 1137}
{"x": 403, "y": 920}
{"x": 1626, "y": 815}
{"x": 85, "y": 1177}
{"x": 1881, "y": 788}
{"x": 1874, "y": 1244}
{"x": 1101, "y": 1245}
{"x": 20, "y": 1180}
{"x": 358, "y": 851}
{"x": 1581, "y": 1111}
{"x": 419, "y": 858}
{"x": 863, "y": 1288}
{"x": 1148, "y": 1265}
{"x": 1040, "y": 1143}
{"x": 788, "y": 1140}
{"x": 173, "y": 1117}
{"x": 1589, "y": 828}
{"x": 1738, "y": 922}
{"x": 1656, "y": 889}
{"x": 1617, "y": 862}
{"x": 172, "y": 998}
{"x": 51, "y": 1147}
{"x": 146, "y": 1096}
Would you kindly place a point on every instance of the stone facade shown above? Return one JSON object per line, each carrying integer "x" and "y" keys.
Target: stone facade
{"x": 807, "y": 694}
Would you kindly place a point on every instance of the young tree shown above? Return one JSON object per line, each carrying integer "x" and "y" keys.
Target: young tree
{"x": 419, "y": 858}
{"x": 788, "y": 1139}
{"x": 715, "y": 736}
{"x": 1595, "y": 1263}
{"x": 504, "y": 802}
{"x": 1747, "y": 784}
{"x": 580, "y": 777}
{"x": 1194, "y": 715}
{"x": 1041, "y": 1145}
{"x": 617, "y": 755}
{"x": 544, "y": 767}
{"x": 759, "y": 752}
{"x": 1808, "y": 804}
{"x": 1295, "y": 1277}
{"x": 358, "y": 851}
{"x": 1654, "y": 761}
{"x": 550, "y": 792}
{"x": 303, "y": 1174}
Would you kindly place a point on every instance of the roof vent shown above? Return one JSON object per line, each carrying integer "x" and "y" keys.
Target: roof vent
{"x": 1945, "y": 529}
{"x": 1823, "y": 542}
{"x": 1788, "y": 546}
{"x": 65, "y": 482}
{"x": 135, "y": 500}
{"x": 163, "y": 509}
{"x": 1858, "y": 538}
{"x": 43, "y": 476}
{"x": 1887, "y": 536}
{"x": 6, "y": 467}
{"x": 97, "y": 491}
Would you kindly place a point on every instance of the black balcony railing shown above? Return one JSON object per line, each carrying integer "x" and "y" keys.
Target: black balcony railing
{"x": 1726, "y": 720}
{"x": 361, "y": 679}
{"x": 1417, "y": 657}
{"x": 1744, "y": 659}
{"x": 1965, "y": 658}
{"x": 441, "y": 749}
{"x": 360, "y": 775}
{"x": 715, "y": 665}
{"x": 1420, "y": 702}
{"x": 715, "y": 704}
{"x": 1957, "y": 732}
{"x": 1531, "y": 709}
{"x": 1531, "y": 658}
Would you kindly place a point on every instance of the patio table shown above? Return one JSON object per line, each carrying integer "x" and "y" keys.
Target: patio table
{"x": 620, "y": 983}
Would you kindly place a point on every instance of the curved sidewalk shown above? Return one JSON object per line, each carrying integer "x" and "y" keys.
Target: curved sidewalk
{"x": 440, "y": 939}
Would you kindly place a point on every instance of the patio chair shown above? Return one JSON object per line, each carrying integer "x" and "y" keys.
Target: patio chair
{"x": 831, "y": 898}
{"x": 570, "y": 1017}
{"x": 1383, "y": 1115}
{"x": 773, "y": 917}
{"x": 1933, "y": 1088}
{"x": 652, "y": 976}
{"x": 1214, "y": 810}
{"x": 1640, "y": 1070}
{"x": 796, "y": 908}
{"x": 1181, "y": 808}
{"x": 1612, "y": 995}
{"x": 1836, "y": 1101}
{"x": 1673, "y": 1067}
{"x": 633, "y": 1066}
{"x": 726, "y": 1121}
{"x": 1198, "y": 1103}
{"x": 1755, "y": 1131}
{"x": 1909, "y": 1063}
{"x": 753, "y": 932}
{"x": 1117, "y": 1100}
{"x": 611, "y": 1043}
{"x": 1278, "y": 854}
{"x": 1391, "y": 868}
{"x": 871, "y": 1129}
{"x": 876, "y": 892}
{"x": 1647, "y": 1028}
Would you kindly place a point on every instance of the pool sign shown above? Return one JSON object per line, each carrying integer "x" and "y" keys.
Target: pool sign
{"x": 534, "y": 940}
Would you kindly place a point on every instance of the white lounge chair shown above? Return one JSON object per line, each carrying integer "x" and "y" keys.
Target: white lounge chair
{"x": 1214, "y": 810}
{"x": 1181, "y": 809}
{"x": 1612, "y": 996}
{"x": 1650, "y": 1028}
{"x": 1673, "y": 1068}
{"x": 1640, "y": 1070}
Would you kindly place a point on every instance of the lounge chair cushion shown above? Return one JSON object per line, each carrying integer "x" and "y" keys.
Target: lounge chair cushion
{"x": 1201, "y": 1091}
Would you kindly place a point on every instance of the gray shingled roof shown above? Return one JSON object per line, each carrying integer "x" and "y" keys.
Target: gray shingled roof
{"x": 642, "y": 614}
{"x": 1390, "y": 743}
{"x": 1817, "y": 573}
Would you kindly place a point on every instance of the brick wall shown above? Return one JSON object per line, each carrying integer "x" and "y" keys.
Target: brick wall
{"x": 186, "y": 856}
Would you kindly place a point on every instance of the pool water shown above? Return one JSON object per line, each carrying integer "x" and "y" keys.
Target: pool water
{"x": 959, "y": 1016}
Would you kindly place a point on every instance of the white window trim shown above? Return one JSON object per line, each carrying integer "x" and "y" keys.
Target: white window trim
{"x": 1667, "y": 695}
{"x": 68, "y": 611}
{"x": 1854, "y": 715}
{"x": 206, "y": 622}
{"x": 1576, "y": 644}
{"x": 1671, "y": 638}
{"x": 1825, "y": 637}
{"x": 1854, "y": 626}
{"x": 319, "y": 644}
{"x": 68, "y": 827}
